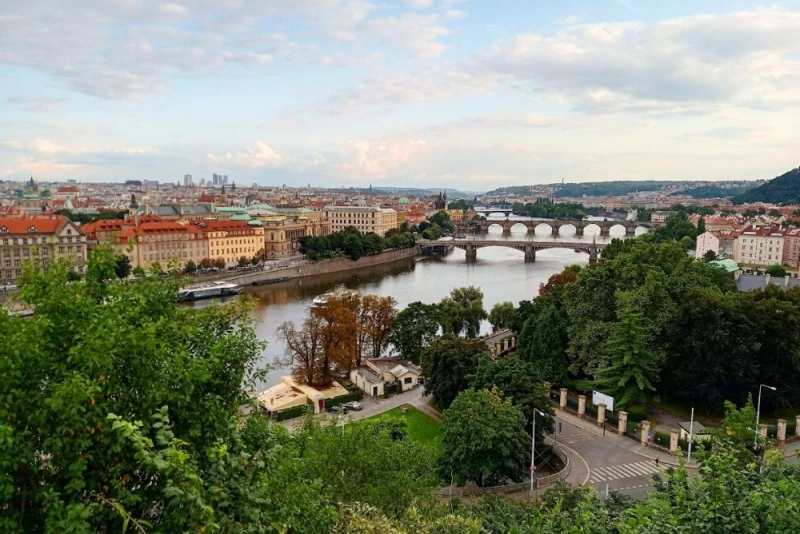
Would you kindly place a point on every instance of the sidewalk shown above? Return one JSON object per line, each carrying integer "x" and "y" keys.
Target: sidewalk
{"x": 622, "y": 441}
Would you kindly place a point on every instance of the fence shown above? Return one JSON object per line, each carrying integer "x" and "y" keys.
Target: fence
{"x": 472, "y": 489}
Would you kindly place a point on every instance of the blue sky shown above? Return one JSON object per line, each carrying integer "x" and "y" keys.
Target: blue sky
{"x": 441, "y": 93}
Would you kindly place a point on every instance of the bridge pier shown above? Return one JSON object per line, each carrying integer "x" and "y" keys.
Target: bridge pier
{"x": 506, "y": 229}
{"x": 530, "y": 254}
{"x": 605, "y": 231}
{"x": 630, "y": 230}
{"x": 556, "y": 230}
{"x": 579, "y": 230}
{"x": 472, "y": 254}
{"x": 593, "y": 256}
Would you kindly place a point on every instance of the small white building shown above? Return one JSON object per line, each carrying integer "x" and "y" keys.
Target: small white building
{"x": 375, "y": 374}
{"x": 699, "y": 432}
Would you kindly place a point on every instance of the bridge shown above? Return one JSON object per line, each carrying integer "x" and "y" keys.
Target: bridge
{"x": 556, "y": 225}
{"x": 471, "y": 246}
{"x": 490, "y": 209}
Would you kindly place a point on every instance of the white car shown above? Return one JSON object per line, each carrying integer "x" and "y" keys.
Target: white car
{"x": 353, "y": 405}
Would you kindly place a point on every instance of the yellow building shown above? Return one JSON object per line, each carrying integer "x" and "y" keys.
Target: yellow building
{"x": 365, "y": 219}
{"x": 282, "y": 234}
{"x": 168, "y": 243}
{"x": 231, "y": 240}
{"x": 40, "y": 240}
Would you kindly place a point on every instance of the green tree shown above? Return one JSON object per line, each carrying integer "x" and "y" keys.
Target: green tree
{"x": 442, "y": 219}
{"x": 432, "y": 232}
{"x": 544, "y": 340}
{"x": 122, "y": 265}
{"x": 138, "y": 272}
{"x": 119, "y": 407}
{"x": 462, "y": 312}
{"x": 502, "y": 315}
{"x": 632, "y": 367}
{"x": 447, "y": 364}
{"x": 156, "y": 269}
{"x": 244, "y": 261}
{"x": 416, "y": 327}
{"x": 710, "y": 255}
{"x": 776, "y": 270}
{"x": 483, "y": 440}
{"x": 701, "y": 226}
{"x": 521, "y": 383}
{"x": 191, "y": 266}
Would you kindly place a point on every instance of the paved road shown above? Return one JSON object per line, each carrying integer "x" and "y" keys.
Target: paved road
{"x": 610, "y": 463}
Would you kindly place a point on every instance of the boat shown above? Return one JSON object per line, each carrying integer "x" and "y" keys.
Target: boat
{"x": 210, "y": 291}
{"x": 323, "y": 299}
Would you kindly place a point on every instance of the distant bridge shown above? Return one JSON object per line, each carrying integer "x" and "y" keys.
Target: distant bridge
{"x": 471, "y": 246}
{"x": 496, "y": 209}
{"x": 557, "y": 224}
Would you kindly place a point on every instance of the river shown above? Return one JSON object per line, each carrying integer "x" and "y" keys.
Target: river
{"x": 501, "y": 273}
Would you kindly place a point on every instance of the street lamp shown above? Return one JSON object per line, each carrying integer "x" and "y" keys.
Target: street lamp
{"x": 533, "y": 447}
{"x": 758, "y": 410}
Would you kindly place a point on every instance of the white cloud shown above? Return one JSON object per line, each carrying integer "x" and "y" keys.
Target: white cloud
{"x": 16, "y": 144}
{"x": 170, "y": 8}
{"x": 377, "y": 159}
{"x": 743, "y": 58}
{"x": 43, "y": 146}
{"x": 419, "y": 4}
{"x": 455, "y": 14}
{"x": 257, "y": 156}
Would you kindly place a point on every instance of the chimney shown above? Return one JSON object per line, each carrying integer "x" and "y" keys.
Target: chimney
{"x": 786, "y": 280}
{"x": 769, "y": 277}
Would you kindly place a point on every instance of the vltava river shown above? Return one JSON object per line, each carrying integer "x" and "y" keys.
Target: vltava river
{"x": 501, "y": 273}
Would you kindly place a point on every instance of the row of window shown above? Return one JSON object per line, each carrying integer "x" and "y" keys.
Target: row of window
{"x": 24, "y": 240}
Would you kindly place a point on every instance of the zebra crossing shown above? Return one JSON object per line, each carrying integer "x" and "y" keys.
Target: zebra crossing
{"x": 575, "y": 438}
{"x": 618, "y": 472}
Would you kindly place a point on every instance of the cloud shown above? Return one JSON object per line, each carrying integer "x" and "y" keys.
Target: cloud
{"x": 455, "y": 14}
{"x": 35, "y": 103}
{"x": 743, "y": 58}
{"x": 419, "y": 4}
{"x": 378, "y": 158}
{"x": 257, "y": 156}
{"x": 43, "y": 146}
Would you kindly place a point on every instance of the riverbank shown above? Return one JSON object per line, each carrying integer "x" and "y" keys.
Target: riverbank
{"x": 322, "y": 267}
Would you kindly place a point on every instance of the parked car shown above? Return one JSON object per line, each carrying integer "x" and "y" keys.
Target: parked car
{"x": 353, "y": 405}
{"x": 338, "y": 408}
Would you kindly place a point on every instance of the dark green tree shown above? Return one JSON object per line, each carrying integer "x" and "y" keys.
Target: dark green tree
{"x": 447, "y": 364}
{"x": 483, "y": 440}
{"x": 632, "y": 366}
{"x": 502, "y": 315}
{"x": 191, "y": 266}
{"x": 701, "y": 226}
{"x": 710, "y": 255}
{"x": 122, "y": 266}
{"x": 776, "y": 270}
{"x": 462, "y": 311}
{"x": 416, "y": 327}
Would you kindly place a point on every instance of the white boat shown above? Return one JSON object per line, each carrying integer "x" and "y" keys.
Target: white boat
{"x": 210, "y": 291}
{"x": 338, "y": 294}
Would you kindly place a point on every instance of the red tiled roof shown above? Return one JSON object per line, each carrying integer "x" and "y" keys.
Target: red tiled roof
{"x": 24, "y": 225}
{"x": 68, "y": 189}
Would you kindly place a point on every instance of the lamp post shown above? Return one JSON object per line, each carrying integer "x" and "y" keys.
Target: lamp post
{"x": 533, "y": 447}
{"x": 758, "y": 410}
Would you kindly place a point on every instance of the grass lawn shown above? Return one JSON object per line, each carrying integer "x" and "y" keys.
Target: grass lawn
{"x": 420, "y": 427}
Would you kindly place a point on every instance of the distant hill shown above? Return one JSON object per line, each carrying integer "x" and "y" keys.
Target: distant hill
{"x": 714, "y": 191}
{"x": 416, "y": 192}
{"x": 785, "y": 189}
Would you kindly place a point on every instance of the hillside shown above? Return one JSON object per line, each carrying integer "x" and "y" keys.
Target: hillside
{"x": 784, "y": 189}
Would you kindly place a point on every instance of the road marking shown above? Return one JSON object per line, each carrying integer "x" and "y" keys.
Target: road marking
{"x": 623, "y": 471}
{"x": 575, "y": 438}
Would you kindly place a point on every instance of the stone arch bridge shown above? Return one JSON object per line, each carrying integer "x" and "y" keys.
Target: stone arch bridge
{"x": 471, "y": 246}
{"x": 556, "y": 225}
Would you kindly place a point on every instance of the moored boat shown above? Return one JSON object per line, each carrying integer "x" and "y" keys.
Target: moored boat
{"x": 338, "y": 294}
{"x": 210, "y": 291}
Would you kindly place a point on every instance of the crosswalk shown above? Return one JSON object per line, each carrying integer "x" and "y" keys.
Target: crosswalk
{"x": 575, "y": 438}
{"x": 618, "y": 472}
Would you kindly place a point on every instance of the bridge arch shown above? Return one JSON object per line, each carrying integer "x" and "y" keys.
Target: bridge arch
{"x": 519, "y": 228}
{"x": 568, "y": 226}
{"x": 495, "y": 228}
{"x": 544, "y": 229}
{"x": 592, "y": 229}
{"x": 615, "y": 228}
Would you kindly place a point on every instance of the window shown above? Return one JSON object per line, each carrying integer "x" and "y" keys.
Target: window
{"x": 407, "y": 380}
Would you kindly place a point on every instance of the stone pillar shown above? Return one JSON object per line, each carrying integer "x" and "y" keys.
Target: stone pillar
{"x": 592, "y": 256}
{"x": 673, "y": 441}
{"x": 601, "y": 414}
{"x": 622, "y": 424}
{"x": 472, "y": 253}
{"x": 630, "y": 229}
{"x": 605, "y": 230}
{"x": 562, "y": 401}
{"x": 797, "y": 425}
{"x": 530, "y": 254}
{"x": 556, "y": 230}
{"x": 546, "y": 387}
{"x": 581, "y": 405}
{"x": 579, "y": 229}
{"x": 507, "y": 229}
{"x": 781, "y": 431}
{"x": 645, "y": 432}
{"x": 762, "y": 430}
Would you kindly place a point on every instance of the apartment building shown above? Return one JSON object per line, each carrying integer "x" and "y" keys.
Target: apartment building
{"x": 168, "y": 243}
{"x": 231, "y": 240}
{"x": 40, "y": 240}
{"x": 791, "y": 247}
{"x": 721, "y": 243}
{"x": 759, "y": 246}
{"x": 364, "y": 218}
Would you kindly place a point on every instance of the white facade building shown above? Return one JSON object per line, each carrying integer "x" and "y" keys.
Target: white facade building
{"x": 364, "y": 218}
{"x": 759, "y": 246}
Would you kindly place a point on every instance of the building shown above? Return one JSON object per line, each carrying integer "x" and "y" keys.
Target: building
{"x": 698, "y": 431}
{"x": 658, "y": 216}
{"x": 721, "y": 243}
{"x": 376, "y": 374}
{"x": 168, "y": 243}
{"x": 181, "y": 212}
{"x": 231, "y": 240}
{"x": 791, "y": 247}
{"x": 759, "y": 246}
{"x": 290, "y": 394}
{"x": 365, "y": 219}
{"x": 187, "y": 180}
{"x": 40, "y": 240}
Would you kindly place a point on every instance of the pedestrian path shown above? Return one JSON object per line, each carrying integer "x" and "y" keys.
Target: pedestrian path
{"x": 619, "y": 472}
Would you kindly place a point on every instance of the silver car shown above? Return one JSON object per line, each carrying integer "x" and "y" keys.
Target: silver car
{"x": 353, "y": 405}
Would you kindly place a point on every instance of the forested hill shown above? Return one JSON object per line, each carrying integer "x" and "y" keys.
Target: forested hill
{"x": 783, "y": 189}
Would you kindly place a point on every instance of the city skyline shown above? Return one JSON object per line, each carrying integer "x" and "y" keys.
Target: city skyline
{"x": 412, "y": 93}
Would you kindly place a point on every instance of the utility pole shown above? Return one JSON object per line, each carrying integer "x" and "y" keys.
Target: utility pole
{"x": 758, "y": 411}
{"x": 533, "y": 449}
{"x": 691, "y": 437}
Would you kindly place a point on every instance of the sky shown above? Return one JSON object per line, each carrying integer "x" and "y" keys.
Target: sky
{"x": 466, "y": 94}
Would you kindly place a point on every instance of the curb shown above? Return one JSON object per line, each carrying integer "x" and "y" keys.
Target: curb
{"x": 585, "y": 463}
